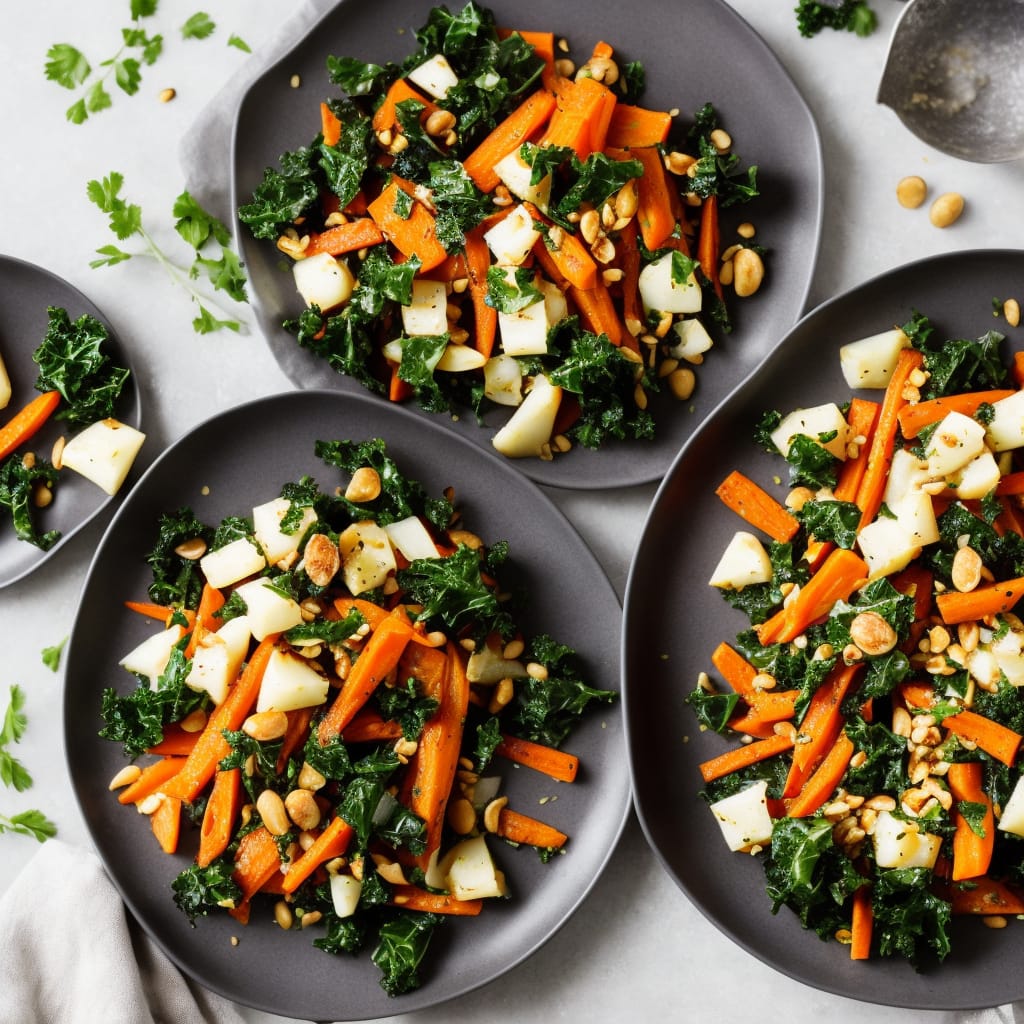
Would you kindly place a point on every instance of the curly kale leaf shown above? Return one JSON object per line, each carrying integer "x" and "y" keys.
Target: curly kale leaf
{"x": 400, "y": 497}
{"x": 72, "y": 361}
{"x": 713, "y": 709}
{"x": 198, "y": 890}
{"x": 284, "y": 195}
{"x": 812, "y": 17}
{"x": 910, "y": 920}
{"x": 177, "y": 581}
{"x": 835, "y": 521}
{"x": 810, "y": 463}
{"x": 1004, "y": 555}
{"x": 402, "y": 946}
{"x": 759, "y": 600}
{"x": 407, "y": 706}
{"x": 718, "y": 174}
{"x": 963, "y": 364}
{"x": 18, "y": 484}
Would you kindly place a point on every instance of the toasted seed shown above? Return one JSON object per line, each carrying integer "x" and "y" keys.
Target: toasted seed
{"x": 461, "y": 816}
{"x": 872, "y": 634}
{"x": 727, "y": 273}
{"x": 265, "y": 726}
{"x": 283, "y": 915}
{"x": 57, "y": 453}
{"x": 681, "y": 382}
{"x": 966, "y": 570}
{"x": 272, "y": 810}
{"x": 191, "y": 549}
{"x": 150, "y": 804}
{"x": 626, "y": 200}
{"x": 166, "y": 95}
{"x": 364, "y": 485}
{"x": 590, "y": 226}
{"x": 1011, "y": 311}
{"x": 996, "y": 921}
{"x": 125, "y": 777}
{"x": 565, "y": 67}
{"x": 911, "y": 191}
{"x": 679, "y": 163}
{"x": 42, "y": 496}
{"x": 746, "y": 230}
{"x": 748, "y": 272}
{"x": 303, "y": 809}
{"x": 492, "y": 813}
{"x": 721, "y": 140}
{"x": 309, "y": 778}
{"x": 946, "y": 209}
{"x": 295, "y": 81}
{"x": 439, "y": 122}
{"x": 194, "y": 721}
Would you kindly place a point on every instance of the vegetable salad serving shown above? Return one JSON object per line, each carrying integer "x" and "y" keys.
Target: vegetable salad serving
{"x": 876, "y": 693}
{"x": 323, "y": 713}
{"x": 487, "y": 225}
{"x": 79, "y": 384}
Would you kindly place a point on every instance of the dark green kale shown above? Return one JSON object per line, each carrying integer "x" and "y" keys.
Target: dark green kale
{"x": 360, "y": 78}
{"x": 589, "y": 181}
{"x": 546, "y": 710}
{"x": 453, "y": 593}
{"x": 420, "y": 355}
{"x": 759, "y": 600}
{"x": 810, "y": 463}
{"x": 406, "y": 705}
{"x": 835, "y": 521}
{"x": 284, "y": 195}
{"x": 264, "y": 756}
{"x": 883, "y": 770}
{"x": 345, "y": 341}
{"x": 371, "y": 812}
{"x": 198, "y": 890}
{"x": 773, "y": 770}
{"x": 18, "y": 483}
{"x": 402, "y": 947}
{"x": 909, "y": 919}
{"x": 510, "y": 296}
{"x": 460, "y": 206}
{"x": 488, "y": 736}
{"x": 344, "y": 164}
{"x": 72, "y": 361}
{"x": 329, "y": 631}
{"x": 960, "y": 364}
{"x": 177, "y": 581}
{"x": 400, "y": 497}
{"x": 717, "y": 174}
{"x": 1003, "y": 555}
{"x": 770, "y": 419}
{"x": 812, "y": 16}
{"x": 712, "y": 708}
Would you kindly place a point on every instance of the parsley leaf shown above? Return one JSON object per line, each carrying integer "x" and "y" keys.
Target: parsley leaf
{"x": 66, "y": 65}
{"x": 29, "y": 823}
{"x": 198, "y": 26}
{"x": 51, "y": 655}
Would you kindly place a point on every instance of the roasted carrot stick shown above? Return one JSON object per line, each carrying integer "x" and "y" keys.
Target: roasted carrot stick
{"x": 862, "y": 924}
{"x": 636, "y": 127}
{"x": 342, "y": 238}
{"x": 913, "y": 418}
{"x": 520, "y": 828}
{"x": 330, "y": 126}
{"x": 972, "y": 853}
{"x": 552, "y": 762}
{"x": 754, "y": 505}
{"x": 165, "y": 822}
{"x": 742, "y": 757}
{"x": 825, "y": 780}
{"x": 332, "y": 842}
{"x": 219, "y": 817}
{"x": 26, "y": 422}
{"x": 410, "y": 897}
{"x": 151, "y": 780}
{"x": 956, "y": 607}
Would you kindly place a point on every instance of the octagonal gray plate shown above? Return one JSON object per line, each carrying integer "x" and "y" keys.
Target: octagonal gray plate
{"x": 243, "y": 457}
{"x": 694, "y": 52}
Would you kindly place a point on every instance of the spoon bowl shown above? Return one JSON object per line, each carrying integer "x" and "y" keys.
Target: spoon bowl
{"x": 954, "y": 76}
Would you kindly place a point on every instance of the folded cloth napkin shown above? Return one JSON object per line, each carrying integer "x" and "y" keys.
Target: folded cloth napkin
{"x": 205, "y": 149}
{"x": 71, "y": 953}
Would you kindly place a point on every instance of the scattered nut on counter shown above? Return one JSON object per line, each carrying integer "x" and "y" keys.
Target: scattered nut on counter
{"x": 946, "y": 209}
{"x": 911, "y": 191}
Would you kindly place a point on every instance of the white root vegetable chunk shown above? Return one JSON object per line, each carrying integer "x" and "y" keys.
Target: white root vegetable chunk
{"x": 150, "y": 657}
{"x": 218, "y": 658}
{"x": 470, "y": 872}
{"x": 1012, "y": 818}
{"x": 956, "y": 440}
{"x": 694, "y": 339}
{"x": 659, "y": 292}
{"x": 345, "y": 893}
{"x": 410, "y": 537}
{"x": 275, "y": 542}
{"x": 366, "y": 556}
{"x": 744, "y": 818}
{"x": 488, "y": 665}
{"x": 460, "y": 359}
{"x": 887, "y": 546}
{"x": 1005, "y": 430}
{"x": 268, "y": 610}
{"x": 744, "y": 561}
{"x": 104, "y": 453}
{"x": 902, "y": 844}
{"x": 511, "y": 239}
{"x": 323, "y": 281}
{"x": 977, "y": 478}
{"x": 235, "y": 561}
{"x": 435, "y": 76}
{"x": 290, "y": 682}
{"x": 530, "y": 426}
{"x": 427, "y": 313}
{"x": 869, "y": 362}
{"x": 503, "y": 380}
{"x": 823, "y": 424}
{"x": 516, "y": 173}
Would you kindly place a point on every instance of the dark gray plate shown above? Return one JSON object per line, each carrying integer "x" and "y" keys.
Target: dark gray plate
{"x": 694, "y": 51}
{"x": 673, "y": 620}
{"x": 25, "y": 293}
{"x": 244, "y": 456}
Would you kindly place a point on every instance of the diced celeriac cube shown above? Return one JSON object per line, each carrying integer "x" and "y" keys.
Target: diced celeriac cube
{"x": 886, "y": 546}
{"x": 218, "y": 658}
{"x": 977, "y": 478}
{"x": 956, "y": 440}
{"x": 324, "y": 281}
{"x": 488, "y": 665}
{"x": 1005, "y": 431}
{"x": 366, "y": 556}
{"x": 693, "y": 342}
{"x": 411, "y": 538}
{"x": 915, "y": 512}
{"x": 525, "y": 332}
{"x": 427, "y": 313}
{"x": 471, "y": 873}
{"x": 511, "y": 239}
{"x": 554, "y": 301}
{"x": 530, "y": 426}
{"x": 266, "y": 522}
{"x": 869, "y": 362}
{"x": 902, "y": 844}
{"x": 503, "y": 380}
{"x": 744, "y": 561}
{"x": 150, "y": 657}
{"x": 267, "y": 609}
{"x": 104, "y": 453}
{"x": 516, "y": 173}
{"x": 460, "y": 359}
{"x": 743, "y": 817}
{"x": 824, "y": 424}
{"x": 236, "y": 561}
{"x": 1012, "y": 818}
{"x": 345, "y": 893}
{"x": 291, "y": 681}
{"x": 434, "y": 76}
{"x": 659, "y": 292}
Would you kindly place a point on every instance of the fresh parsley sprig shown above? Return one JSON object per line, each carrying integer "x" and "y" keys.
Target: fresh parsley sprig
{"x": 196, "y": 227}
{"x": 14, "y": 774}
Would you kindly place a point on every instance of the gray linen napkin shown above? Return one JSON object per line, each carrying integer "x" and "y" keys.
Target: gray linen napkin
{"x": 72, "y": 955}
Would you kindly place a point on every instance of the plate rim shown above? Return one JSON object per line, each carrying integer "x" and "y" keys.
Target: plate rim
{"x": 617, "y": 823}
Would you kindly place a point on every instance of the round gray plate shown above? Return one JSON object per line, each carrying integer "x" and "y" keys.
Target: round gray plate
{"x": 694, "y": 52}
{"x": 244, "y": 456}
{"x": 25, "y": 293}
{"x": 673, "y": 620}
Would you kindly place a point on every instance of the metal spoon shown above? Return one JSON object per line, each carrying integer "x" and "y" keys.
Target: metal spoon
{"x": 954, "y": 76}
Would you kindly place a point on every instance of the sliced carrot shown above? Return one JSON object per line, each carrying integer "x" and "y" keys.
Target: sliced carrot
{"x": 861, "y": 924}
{"x": 825, "y": 780}
{"x": 543, "y": 44}
{"x": 995, "y": 739}
{"x": 636, "y": 127}
{"x": 414, "y": 235}
{"x": 295, "y": 735}
{"x": 709, "y": 242}
{"x": 985, "y": 895}
{"x": 872, "y": 487}
{"x": 757, "y": 507}
{"x": 453, "y": 268}
{"x": 735, "y": 669}
{"x": 527, "y": 831}
{"x": 410, "y": 897}
{"x": 485, "y": 316}
{"x": 256, "y": 861}
{"x": 219, "y": 817}
{"x": 993, "y": 599}
{"x": 211, "y": 747}
{"x": 428, "y": 665}
{"x": 764, "y": 708}
{"x": 369, "y": 725}
{"x": 581, "y": 118}
{"x": 519, "y": 127}
{"x": 654, "y": 204}
{"x": 373, "y": 614}
{"x": 972, "y": 853}
{"x": 744, "y": 756}
{"x": 342, "y": 238}
{"x": 629, "y": 262}
{"x": 27, "y": 421}
{"x": 820, "y": 728}
{"x": 1017, "y": 369}
{"x": 385, "y": 116}
{"x": 210, "y": 602}
{"x": 862, "y": 418}
{"x": 377, "y": 659}
{"x": 176, "y": 741}
{"x": 330, "y": 126}
{"x": 569, "y": 254}
{"x": 165, "y": 822}
{"x": 598, "y": 313}
{"x": 160, "y": 612}
{"x": 332, "y": 842}
{"x": 914, "y": 418}
{"x": 151, "y": 780}
{"x": 549, "y": 760}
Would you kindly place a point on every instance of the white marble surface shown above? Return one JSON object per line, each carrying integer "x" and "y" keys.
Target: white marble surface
{"x": 636, "y": 948}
